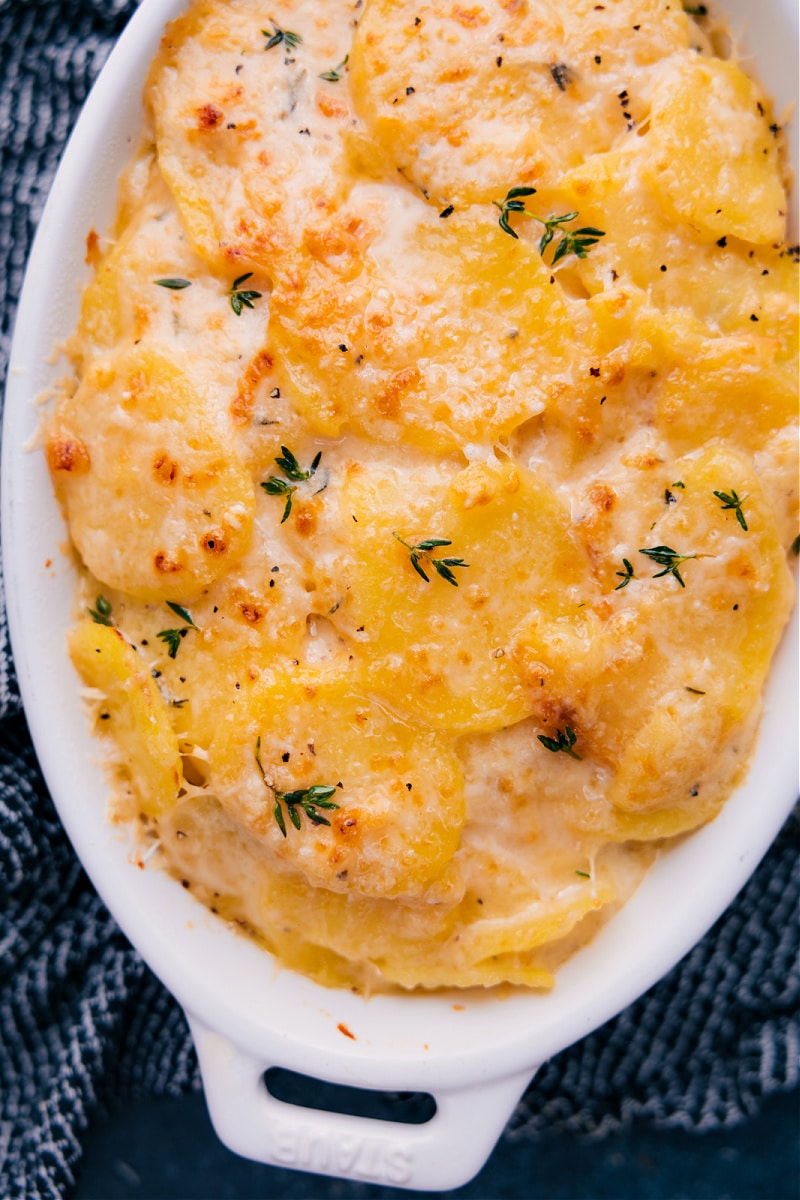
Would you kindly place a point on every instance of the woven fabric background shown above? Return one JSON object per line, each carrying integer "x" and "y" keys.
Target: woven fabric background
{"x": 82, "y": 1020}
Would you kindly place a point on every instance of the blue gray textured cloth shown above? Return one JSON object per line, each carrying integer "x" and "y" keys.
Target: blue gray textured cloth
{"x": 83, "y": 1021}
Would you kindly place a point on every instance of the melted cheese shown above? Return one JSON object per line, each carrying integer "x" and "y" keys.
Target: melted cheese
{"x": 389, "y": 776}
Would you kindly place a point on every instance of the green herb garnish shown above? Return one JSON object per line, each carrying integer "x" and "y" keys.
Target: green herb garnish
{"x": 101, "y": 613}
{"x": 290, "y": 40}
{"x": 513, "y": 203}
{"x": 421, "y": 551}
{"x": 564, "y": 742}
{"x": 308, "y": 799}
{"x": 669, "y": 559}
{"x": 626, "y": 576}
{"x": 173, "y": 637}
{"x": 571, "y": 241}
{"x": 695, "y": 10}
{"x": 583, "y": 874}
{"x": 292, "y": 470}
{"x": 240, "y": 299}
{"x": 175, "y": 285}
{"x": 732, "y": 500}
{"x": 334, "y": 75}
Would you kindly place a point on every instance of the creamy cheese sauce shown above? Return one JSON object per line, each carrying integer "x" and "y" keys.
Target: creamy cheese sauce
{"x": 432, "y": 572}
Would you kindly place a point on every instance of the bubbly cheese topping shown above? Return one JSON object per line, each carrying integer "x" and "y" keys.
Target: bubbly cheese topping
{"x": 431, "y": 459}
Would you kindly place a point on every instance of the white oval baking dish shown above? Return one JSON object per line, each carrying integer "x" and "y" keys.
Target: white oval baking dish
{"x": 475, "y": 1053}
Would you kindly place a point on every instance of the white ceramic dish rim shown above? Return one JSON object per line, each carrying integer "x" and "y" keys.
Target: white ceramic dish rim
{"x": 246, "y": 1015}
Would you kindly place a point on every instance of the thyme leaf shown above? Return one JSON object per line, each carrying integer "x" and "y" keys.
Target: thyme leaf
{"x": 182, "y": 613}
{"x": 513, "y": 203}
{"x": 669, "y": 559}
{"x": 334, "y": 75}
{"x": 293, "y": 471}
{"x": 172, "y": 638}
{"x": 564, "y": 741}
{"x": 290, "y": 40}
{"x": 308, "y": 800}
{"x": 242, "y": 299}
{"x": 421, "y": 552}
{"x": 732, "y": 500}
{"x": 626, "y": 576}
{"x": 571, "y": 241}
{"x": 174, "y": 285}
{"x": 101, "y": 613}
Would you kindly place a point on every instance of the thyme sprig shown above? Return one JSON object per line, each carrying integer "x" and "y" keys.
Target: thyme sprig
{"x": 669, "y": 559}
{"x": 101, "y": 613}
{"x": 293, "y": 471}
{"x": 335, "y": 74}
{"x": 173, "y": 637}
{"x": 240, "y": 299}
{"x": 290, "y": 40}
{"x": 563, "y": 742}
{"x": 571, "y": 241}
{"x": 309, "y": 800}
{"x": 626, "y": 576}
{"x": 421, "y": 552}
{"x": 732, "y": 500}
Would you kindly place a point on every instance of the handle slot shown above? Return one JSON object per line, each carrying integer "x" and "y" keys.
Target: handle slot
{"x": 404, "y": 1108}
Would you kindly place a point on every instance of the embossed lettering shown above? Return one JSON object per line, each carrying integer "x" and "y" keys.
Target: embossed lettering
{"x": 375, "y": 1159}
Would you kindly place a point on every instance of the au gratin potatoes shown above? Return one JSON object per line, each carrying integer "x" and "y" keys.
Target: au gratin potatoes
{"x": 430, "y": 459}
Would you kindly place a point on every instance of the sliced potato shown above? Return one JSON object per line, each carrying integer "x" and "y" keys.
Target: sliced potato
{"x": 397, "y": 798}
{"x": 138, "y": 719}
{"x": 138, "y": 449}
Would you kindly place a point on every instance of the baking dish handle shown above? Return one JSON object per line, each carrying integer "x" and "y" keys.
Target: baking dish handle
{"x": 444, "y": 1153}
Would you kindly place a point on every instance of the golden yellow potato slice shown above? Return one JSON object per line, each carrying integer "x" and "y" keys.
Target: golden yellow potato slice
{"x": 157, "y": 501}
{"x": 739, "y": 388}
{"x": 452, "y": 350}
{"x": 713, "y": 161}
{"x": 396, "y": 787}
{"x": 239, "y": 121}
{"x": 441, "y": 649}
{"x": 138, "y": 719}
{"x": 468, "y": 100}
{"x": 676, "y": 265}
{"x": 658, "y": 686}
